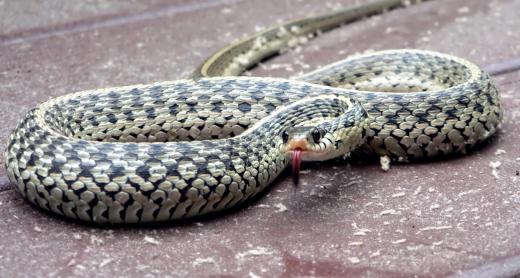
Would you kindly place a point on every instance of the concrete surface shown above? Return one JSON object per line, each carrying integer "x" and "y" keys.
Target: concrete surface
{"x": 448, "y": 217}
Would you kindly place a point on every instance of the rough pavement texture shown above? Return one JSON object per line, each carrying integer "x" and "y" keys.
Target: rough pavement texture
{"x": 451, "y": 216}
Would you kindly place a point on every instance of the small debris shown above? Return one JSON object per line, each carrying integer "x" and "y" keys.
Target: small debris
{"x": 281, "y": 207}
{"x": 400, "y": 194}
{"x": 494, "y": 168}
{"x": 38, "y": 229}
{"x": 151, "y": 240}
{"x": 385, "y": 163}
{"x": 354, "y": 260}
{"x": 463, "y": 10}
{"x": 252, "y": 275}
{"x": 375, "y": 254}
{"x": 388, "y": 211}
{"x": 399, "y": 241}
{"x": 472, "y": 191}
{"x": 359, "y": 231}
{"x": 500, "y": 151}
{"x": 417, "y": 190}
{"x": 96, "y": 240}
{"x": 72, "y": 262}
{"x": 434, "y": 228}
{"x": 105, "y": 262}
{"x": 226, "y": 11}
{"x": 435, "y": 206}
{"x": 200, "y": 261}
{"x": 260, "y": 251}
{"x": 355, "y": 243}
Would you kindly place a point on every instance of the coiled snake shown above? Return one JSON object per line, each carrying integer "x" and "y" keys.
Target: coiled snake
{"x": 184, "y": 148}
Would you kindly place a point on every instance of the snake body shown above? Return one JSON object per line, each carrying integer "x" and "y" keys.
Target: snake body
{"x": 178, "y": 149}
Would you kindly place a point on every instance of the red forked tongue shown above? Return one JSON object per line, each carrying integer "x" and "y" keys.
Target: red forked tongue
{"x": 296, "y": 161}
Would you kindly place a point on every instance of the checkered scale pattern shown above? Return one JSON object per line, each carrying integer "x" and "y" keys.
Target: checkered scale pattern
{"x": 184, "y": 148}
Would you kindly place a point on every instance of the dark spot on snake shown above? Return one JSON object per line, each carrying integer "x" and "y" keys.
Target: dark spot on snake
{"x": 150, "y": 113}
{"x": 391, "y": 119}
{"x": 172, "y": 171}
{"x": 137, "y": 104}
{"x": 326, "y": 82}
{"x": 173, "y": 109}
{"x": 451, "y": 113}
{"x": 32, "y": 160}
{"x": 156, "y": 211}
{"x": 56, "y": 167}
{"x": 143, "y": 171}
{"x": 113, "y": 94}
{"x": 244, "y": 126}
{"x": 269, "y": 107}
{"x": 221, "y": 125}
{"x": 122, "y": 212}
{"x": 421, "y": 117}
{"x": 112, "y": 118}
{"x": 105, "y": 213}
{"x": 129, "y": 115}
{"x": 159, "y": 102}
{"x": 85, "y": 172}
{"x": 479, "y": 107}
{"x": 244, "y": 107}
{"x": 116, "y": 171}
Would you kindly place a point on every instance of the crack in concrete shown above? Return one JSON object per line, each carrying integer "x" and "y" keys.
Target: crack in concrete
{"x": 114, "y": 20}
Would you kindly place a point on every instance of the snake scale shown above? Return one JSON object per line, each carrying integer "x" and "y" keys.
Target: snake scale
{"x": 184, "y": 148}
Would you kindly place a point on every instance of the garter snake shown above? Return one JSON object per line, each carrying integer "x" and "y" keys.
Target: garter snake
{"x": 184, "y": 148}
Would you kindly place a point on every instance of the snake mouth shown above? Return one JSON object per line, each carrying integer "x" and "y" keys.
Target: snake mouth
{"x": 296, "y": 160}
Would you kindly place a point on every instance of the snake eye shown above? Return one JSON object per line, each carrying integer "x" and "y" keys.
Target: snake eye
{"x": 285, "y": 136}
{"x": 316, "y": 136}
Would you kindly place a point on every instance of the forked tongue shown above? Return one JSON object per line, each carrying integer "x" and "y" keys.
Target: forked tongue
{"x": 296, "y": 161}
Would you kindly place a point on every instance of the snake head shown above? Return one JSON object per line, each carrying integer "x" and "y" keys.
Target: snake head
{"x": 312, "y": 142}
{"x": 307, "y": 144}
